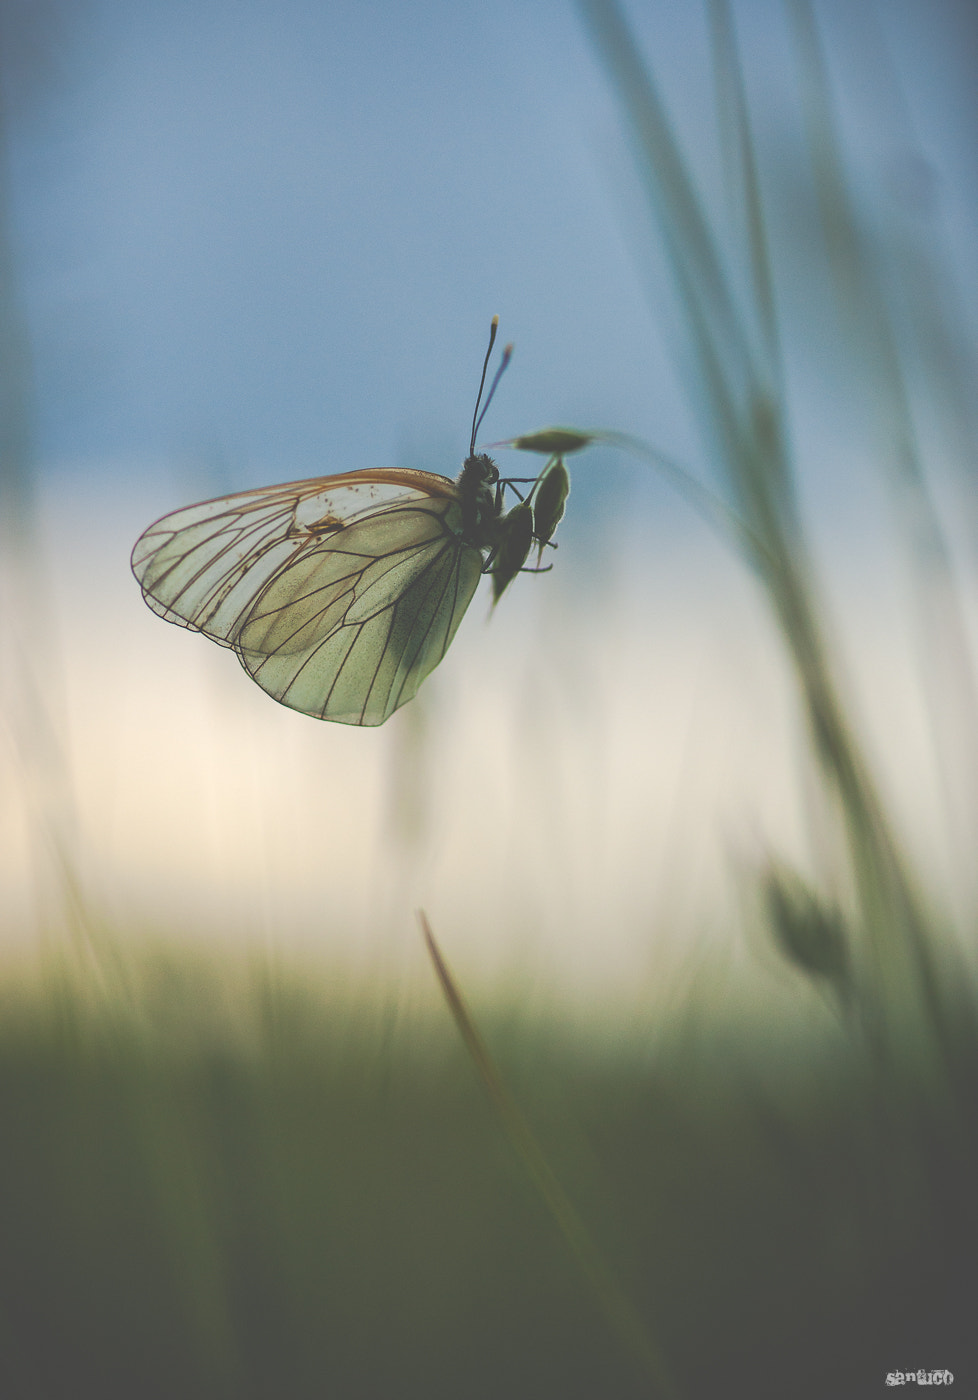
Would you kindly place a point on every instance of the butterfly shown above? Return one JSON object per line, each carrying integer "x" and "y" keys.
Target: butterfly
{"x": 340, "y": 594}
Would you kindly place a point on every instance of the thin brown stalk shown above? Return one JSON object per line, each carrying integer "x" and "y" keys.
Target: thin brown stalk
{"x": 614, "y": 1302}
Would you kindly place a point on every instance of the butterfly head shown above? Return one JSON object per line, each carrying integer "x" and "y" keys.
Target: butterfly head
{"x": 478, "y": 470}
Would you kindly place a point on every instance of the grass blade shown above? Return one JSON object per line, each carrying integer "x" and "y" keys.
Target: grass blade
{"x": 613, "y": 1301}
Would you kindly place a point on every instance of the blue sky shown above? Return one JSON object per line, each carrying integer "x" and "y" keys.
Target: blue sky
{"x": 264, "y": 241}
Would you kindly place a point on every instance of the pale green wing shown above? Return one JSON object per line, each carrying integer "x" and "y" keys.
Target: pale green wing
{"x": 351, "y": 628}
{"x": 204, "y": 566}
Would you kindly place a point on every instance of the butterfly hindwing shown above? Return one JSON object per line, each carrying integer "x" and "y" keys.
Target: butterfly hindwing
{"x": 365, "y": 667}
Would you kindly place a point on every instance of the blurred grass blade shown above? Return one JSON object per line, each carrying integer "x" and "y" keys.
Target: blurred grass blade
{"x": 669, "y": 183}
{"x": 741, "y": 168}
{"x": 722, "y": 347}
{"x": 31, "y": 676}
{"x": 948, "y": 671}
{"x": 614, "y": 1302}
{"x": 739, "y": 407}
{"x": 896, "y": 973}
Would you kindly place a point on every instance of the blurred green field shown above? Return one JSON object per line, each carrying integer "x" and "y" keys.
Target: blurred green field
{"x": 245, "y": 1186}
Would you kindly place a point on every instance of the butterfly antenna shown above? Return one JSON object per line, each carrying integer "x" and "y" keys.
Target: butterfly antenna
{"x": 477, "y": 417}
{"x": 507, "y": 356}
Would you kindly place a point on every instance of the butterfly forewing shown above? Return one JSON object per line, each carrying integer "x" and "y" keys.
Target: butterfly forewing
{"x": 203, "y": 566}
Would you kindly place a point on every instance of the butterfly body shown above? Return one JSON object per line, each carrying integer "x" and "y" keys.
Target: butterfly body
{"x": 479, "y": 500}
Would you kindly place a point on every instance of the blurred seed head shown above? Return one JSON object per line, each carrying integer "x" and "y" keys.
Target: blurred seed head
{"x": 807, "y": 932}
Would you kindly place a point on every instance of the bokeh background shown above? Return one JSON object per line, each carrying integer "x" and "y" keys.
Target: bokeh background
{"x": 245, "y": 243}
{"x": 251, "y": 243}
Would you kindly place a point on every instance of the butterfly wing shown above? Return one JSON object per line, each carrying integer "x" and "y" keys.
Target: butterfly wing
{"x": 338, "y": 595}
